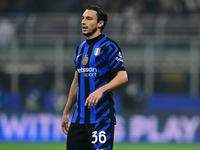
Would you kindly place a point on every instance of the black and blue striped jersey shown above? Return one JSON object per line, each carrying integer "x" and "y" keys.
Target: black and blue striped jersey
{"x": 96, "y": 62}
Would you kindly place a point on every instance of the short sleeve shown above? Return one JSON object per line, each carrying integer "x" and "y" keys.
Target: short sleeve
{"x": 115, "y": 58}
{"x": 76, "y": 56}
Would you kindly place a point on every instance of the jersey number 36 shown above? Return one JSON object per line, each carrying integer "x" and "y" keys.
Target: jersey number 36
{"x": 101, "y": 137}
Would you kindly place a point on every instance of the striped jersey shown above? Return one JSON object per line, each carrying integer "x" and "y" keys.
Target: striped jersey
{"x": 96, "y": 62}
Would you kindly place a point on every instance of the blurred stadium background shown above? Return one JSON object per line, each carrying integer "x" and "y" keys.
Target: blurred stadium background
{"x": 160, "y": 43}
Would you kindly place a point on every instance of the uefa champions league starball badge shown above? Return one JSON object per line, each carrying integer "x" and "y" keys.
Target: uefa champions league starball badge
{"x": 85, "y": 60}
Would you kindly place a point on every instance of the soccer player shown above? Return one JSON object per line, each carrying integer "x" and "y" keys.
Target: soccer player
{"x": 99, "y": 70}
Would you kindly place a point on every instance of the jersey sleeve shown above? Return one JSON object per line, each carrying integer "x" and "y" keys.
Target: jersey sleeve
{"x": 115, "y": 58}
{"x": 76, "y": 56}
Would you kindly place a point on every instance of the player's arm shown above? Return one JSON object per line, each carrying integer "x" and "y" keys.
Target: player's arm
{"x": 70, "y": 102}
{"x": 120, "y": 78}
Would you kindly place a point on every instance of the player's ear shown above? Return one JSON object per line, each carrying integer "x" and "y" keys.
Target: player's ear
{"x": 100, "y": 23}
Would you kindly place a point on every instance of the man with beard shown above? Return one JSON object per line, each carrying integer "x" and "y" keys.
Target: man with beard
{"x": 99, "y": 70}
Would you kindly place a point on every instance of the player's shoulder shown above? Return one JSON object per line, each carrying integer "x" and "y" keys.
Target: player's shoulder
{"x": 81, "y": 44}
{"x": 110, "y": 41}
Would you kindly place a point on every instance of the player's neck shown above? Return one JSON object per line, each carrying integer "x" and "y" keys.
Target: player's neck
{"x": 94, "y": 40}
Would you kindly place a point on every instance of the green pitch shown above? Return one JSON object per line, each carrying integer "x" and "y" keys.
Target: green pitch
{"x": 49, "y": 146}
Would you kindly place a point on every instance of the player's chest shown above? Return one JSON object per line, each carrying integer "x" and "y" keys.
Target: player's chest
{"x": 90, "y": 56}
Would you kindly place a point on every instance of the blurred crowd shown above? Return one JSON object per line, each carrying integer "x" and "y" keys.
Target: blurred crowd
{"x": 34, "y": 98}
{"x": 137, "y": 6}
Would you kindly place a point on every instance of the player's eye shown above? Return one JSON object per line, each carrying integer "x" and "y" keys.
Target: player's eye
{"x": 89, "y": 18}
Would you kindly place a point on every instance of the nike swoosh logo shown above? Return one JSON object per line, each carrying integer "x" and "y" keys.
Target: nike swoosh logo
{"x": 78, "y": 55}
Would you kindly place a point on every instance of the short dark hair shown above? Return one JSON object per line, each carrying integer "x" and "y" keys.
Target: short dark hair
{"x": 101, "y": 14}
